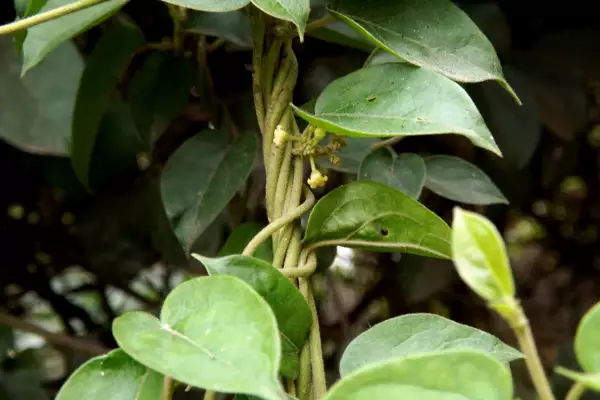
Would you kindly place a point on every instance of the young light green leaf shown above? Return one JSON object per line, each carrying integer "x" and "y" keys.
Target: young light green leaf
{"x": 159, "y": 91}
{"x": 591, "y": 380}
{"x": 233, "y": 26}
{"x": 446, "y": 375}
{"x": 405, "y": 172}
{"x": 36, "y": 111}
{"x": 201, "y": 177}
{"x": 214, "y": 332}
{"x": 210, "y": 5}
{"x": 398, "y": 99}
{"x": 289, "y": 306}
{"x": 431, "y": 34}
{"x": 587, "y": 340}
{"x": 459, "y": 180}
{"x": 106, "y": 63}
{"x": 479, "y": 254}
{"x": 43, "y": 38}
{"x": 416, "y": 334}
{"x": 241, "y": 236}
{"x": 295, "y": 11}
{"x": 371, "y": 215}
{"x": 114, "y": 376}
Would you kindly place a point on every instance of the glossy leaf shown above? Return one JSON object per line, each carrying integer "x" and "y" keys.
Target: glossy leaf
{"x": 405, "y": 172}
{"x": 433, "y": 34}
{"x": 371, "y": 215}
{"x": 114, "y": 376}
{"x": 159, "y": 92}
{"x": 289, "y": 306}
{"x": 201, "y": 177}
{"x": 241, "y": 236}
{"x": 416, "y": 334}
{"x": 215, "y": 333}
{"x": 233, "y": 26}
{"x": 447, "y": 375}
{"x": 587, "y": 340}
{"x": 479, "y": 255}
{"x": 210, "y": 5}
{"x": 459, "y": 180}
{"x": 295, "y": 11}
{"x": 36, "y": 111}
{"x": 398, "y": 99}
{"x": 591, "y": 381}
{"x": 43, "y": 38}
{"x": 106, "y": 63}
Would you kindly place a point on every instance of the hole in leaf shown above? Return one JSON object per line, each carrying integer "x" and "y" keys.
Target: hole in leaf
{"x": 382, "y": 231}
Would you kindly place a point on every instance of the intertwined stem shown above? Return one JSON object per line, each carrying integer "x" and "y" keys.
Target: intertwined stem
{"x": 275, "y": 72}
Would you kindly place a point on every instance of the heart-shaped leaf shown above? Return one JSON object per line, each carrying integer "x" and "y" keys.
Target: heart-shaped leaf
{"x": 295, "y": 11}
{"x": 36, "y": 111}
{"x": 215, "y": 333}
{"x": 43, "y": 38}
{"x": 447, "y": 375}
{"x": 432, "y": 34}
{"x": 587, "y": 340}
{"x": 289, "y": 306}
{"x": 479, "y": 255}
{"x": 416, "y": 334}
{"x": 591, "y": 381}
{"x": 459, "y": 180}
{"x": 114, "y": 376}
{"x": 240, "y": 237}
{"x": 398, "y": 99}
{"x": 201, "y": 177}
{"x": 367, "y": 214}
{"x": 155, "y": 101}
{"x": 405, "y": 172}
{"x": 109, "y": 58}
{"x": 210, "y": 5}
{"x": 233, "y": 26}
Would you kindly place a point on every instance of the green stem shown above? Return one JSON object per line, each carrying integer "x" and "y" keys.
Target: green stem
{"x": 576, "y": 391}
{"x": 167, "y": 391}
{"x": 258, "y": 40}
{"x": 520, "y": 325}
{"x": 274, "y": 165}
{"x": 303, "y": 387}
{"x": 319, "y": 23}
{"x": 269, "y": 70}
{"x": 387, "y": 142}
{"x": 210, "y": 395}
{"x": 177, "y": 16}
{"x": 274, "y": 226}
{"x": 47, "y": 16}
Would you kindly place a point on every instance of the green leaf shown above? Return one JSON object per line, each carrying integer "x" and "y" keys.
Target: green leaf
{"x": 379, "y": 56}
{"x": 479, "y": 255}
{"x": 241, "y": 236}
{"x": 371, "y": 215}
{"x": 214, "y": 332}
{"x": 210, "y": 5}
{"x": 405, "y": 172}
{"x": 24, "y": 9}
{"x": 339, "y": 33}
{"x": 459, "y": 180}
{"x": 114, "y": 376}
{"x": 36, "y": 111}
{"x": 106, "y": 63}
{"x": 591, "y": 381}
{"x": 201, "y": 177}
{"x": 433, "y": 34}
{"x": 416, "y": 334}
{"x": 398, "y": 99}
{"x": 587, "y": 340}
{"x": 289, "y": 306}
{"x": 159, "y": 92}
{"x": 232, "y": 26}
{"x": 43, "y": 38}
{"x": 295, "y": 11}
{"x": 447, "y": 375}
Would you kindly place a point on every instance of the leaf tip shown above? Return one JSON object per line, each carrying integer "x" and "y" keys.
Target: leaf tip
{"x": 504, "y": 83}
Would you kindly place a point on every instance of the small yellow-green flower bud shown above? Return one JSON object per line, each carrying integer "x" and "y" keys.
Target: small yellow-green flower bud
{"x": 281, "y": 136}
{"x": 335, "y": 159}
{"x": 316, "y": 179}
{"x": 319, "y": 134}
